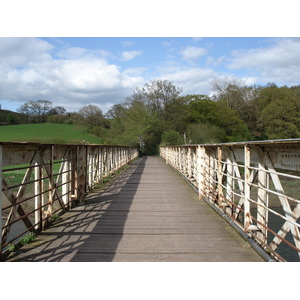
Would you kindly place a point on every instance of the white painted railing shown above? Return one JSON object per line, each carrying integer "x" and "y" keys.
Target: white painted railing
{"x": 256, "y": 184}
{"x": 39, "y": 181}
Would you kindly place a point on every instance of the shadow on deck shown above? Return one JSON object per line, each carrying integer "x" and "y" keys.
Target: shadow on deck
{"x": 91, "y": 232}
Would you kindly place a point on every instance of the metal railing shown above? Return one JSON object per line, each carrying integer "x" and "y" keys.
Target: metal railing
{"x": 39, "y": 181}
{"x": 255, "y": 184}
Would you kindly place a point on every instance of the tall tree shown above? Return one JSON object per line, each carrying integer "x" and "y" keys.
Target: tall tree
{"x": 235, "y": 93}
{"x": 158, "y": 95}
{"x": 280, "y": 119}
{"x": 92, "y": 116}
{"x": 36, "y": 111}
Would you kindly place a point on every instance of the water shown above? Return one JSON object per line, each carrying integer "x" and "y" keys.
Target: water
{"x": 288, "y": 253}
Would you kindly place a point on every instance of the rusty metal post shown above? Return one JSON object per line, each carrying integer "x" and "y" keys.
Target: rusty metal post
{"x": 262, "y": 199}
{"x": 230, "y": 181}
{"x": 1, "y": 195}
{"x": 201, "y": 166}
{"x": 38, "y": 191}
{"x": 220, "y": 176}
{"x": 81, "y": 177}
{"x": 247, "y": 217}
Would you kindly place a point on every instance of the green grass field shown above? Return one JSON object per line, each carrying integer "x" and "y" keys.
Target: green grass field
{"x": 47, "y": 133}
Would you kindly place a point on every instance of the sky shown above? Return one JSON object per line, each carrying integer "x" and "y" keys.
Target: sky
{"x": 79, "y": 55}
{"x": 73, "y": 72}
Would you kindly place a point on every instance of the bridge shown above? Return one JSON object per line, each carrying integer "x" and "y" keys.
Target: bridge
{"x": 219, "y": 202}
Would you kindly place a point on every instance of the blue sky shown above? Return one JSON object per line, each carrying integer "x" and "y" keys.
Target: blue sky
{"x": 76, "y": 53}
{"x": 103, "y": 71}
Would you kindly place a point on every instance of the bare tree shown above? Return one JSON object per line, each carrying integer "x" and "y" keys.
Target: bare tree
{"x": 92, "y": 116}
{"x": 36, "y": 111}
{"x": 157, "y": 95}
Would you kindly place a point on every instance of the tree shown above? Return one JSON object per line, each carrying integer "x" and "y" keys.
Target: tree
{"x": 202, "y": 109}
{"x": 281, "y": 119}
{"x": 210, "y": 114}
{"x": 92, "y": 116}
{"x": 157, "y": 95}
{"x": 201, "y": 133}
{"x": 151, "y": 110}
{"x": 171, "y": 137}
{"x": 234, "y": 92}
{"x": 58, "y": 110}
{"x": 36, "y": 111}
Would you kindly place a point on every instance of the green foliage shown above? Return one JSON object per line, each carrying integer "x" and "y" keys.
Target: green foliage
{"x": 54, "y": 218}
{"x": 171, "y": 137}
{"x": 281, "y": 119}
{"x": 9, "y": 117}
{"x": 217, "y": 119}
{"x": 201, "y": 133}
{"x": 28, "y": 238}
{"x": 279, "y": 116}
{"x": 12, "y": 247}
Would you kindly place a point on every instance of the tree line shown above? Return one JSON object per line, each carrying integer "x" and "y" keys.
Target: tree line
{"x": 158, "y": 114}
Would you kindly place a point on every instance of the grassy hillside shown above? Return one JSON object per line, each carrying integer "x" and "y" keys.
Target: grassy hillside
{"x": 10, "y": 117}
{"x": 47, "y": 133}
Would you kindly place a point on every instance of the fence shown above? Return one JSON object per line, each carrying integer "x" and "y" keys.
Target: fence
{"x": 40, "y": 181}
{"x": 255, "y": 184}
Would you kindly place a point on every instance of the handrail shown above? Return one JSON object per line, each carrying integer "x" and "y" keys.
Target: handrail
{"x": 39, "y": 181}
{"x": 256, "y": 184}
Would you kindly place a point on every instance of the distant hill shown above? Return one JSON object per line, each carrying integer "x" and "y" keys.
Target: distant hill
{"x": 47, "y": 133}
{"x": 8, "y": 117}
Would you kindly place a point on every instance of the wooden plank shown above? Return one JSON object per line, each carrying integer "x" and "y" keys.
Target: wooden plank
{"x": 148, "y": 213}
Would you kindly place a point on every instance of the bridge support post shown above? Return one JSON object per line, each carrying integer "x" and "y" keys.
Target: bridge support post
{"x": 1, "y": 194}
{"x": 247, "y": 216}
{"x": 201, "y": 165}
{"x": 220, "y": 177}
{"x": 229, "y": 183}
{"x": 81, "y": 177}
{"x": 38, "y": 193}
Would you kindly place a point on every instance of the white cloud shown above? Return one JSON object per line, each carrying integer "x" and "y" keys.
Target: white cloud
{"x": 278, "y": 63}
{"x": 128, "y": 55}
{"x": 215, "y": 62}
{"x": 192, "y": 80}
{"x": 127, "y": 43}
{"x": 191, "y": 53}
{"x": 197, "y": 39}
{"x": 73, "y": 53}
{"x": 138, "y": 71}
{"x": 16, "y": 52}
{"x": 29, "y": 72}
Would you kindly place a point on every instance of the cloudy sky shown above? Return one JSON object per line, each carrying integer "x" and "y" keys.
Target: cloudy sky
{"x": 73, "y": 72}
{"x": 76, "y": 71}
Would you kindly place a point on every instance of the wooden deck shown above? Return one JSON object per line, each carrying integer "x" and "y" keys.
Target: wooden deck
{"x": 147, "y": 214}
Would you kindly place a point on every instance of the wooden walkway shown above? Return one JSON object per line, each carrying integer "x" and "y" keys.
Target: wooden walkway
{"x": 147, "y": 214}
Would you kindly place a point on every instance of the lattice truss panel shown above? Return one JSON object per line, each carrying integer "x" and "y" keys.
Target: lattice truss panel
{"x": 39, "y": 181}
{"x": 256, "y": 184}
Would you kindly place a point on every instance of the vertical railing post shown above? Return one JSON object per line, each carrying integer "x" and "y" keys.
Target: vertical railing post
{"x": 201, "y": 165}
{"x": 220, "y": 176}
{"x": 51, "y": 180}
{"x": 81, "y": 170}
{"x": 1, "y": 166}
{"x": 38, "y": 191}
{"x": 64, "y": 179}
{"x": 247, "y": 217}
{"x": 262, "y": 212}
{"x": 229, "y": 181}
